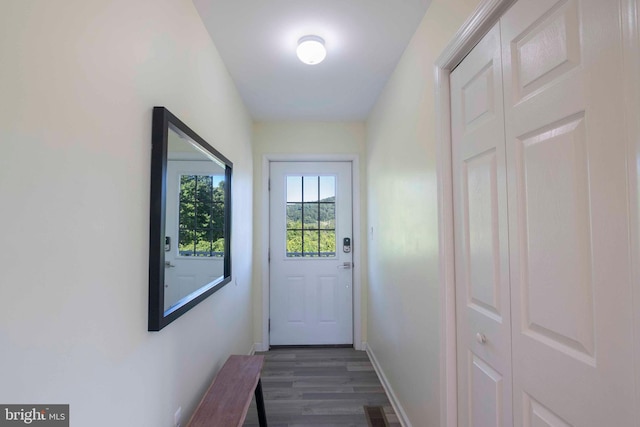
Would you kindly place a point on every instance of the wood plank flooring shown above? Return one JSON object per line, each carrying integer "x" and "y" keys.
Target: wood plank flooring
{"x": 319, "y": 387}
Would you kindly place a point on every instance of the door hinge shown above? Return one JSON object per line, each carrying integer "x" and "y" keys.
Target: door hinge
{"x": 269, "y": 184}
{"x": 269, "y": 255}
{"x": 269, "y": 324}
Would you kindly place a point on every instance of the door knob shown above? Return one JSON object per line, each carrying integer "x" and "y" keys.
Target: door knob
{"x": 346, "y": 265}
{"x": 481, "y": 338}
{"x": 168, "y": 264}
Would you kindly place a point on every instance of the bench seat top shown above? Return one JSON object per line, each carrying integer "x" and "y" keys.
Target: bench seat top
{"x": 227, "y": 400}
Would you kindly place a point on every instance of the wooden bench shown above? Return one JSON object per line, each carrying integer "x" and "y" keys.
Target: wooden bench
{"x": 227, "y": 400}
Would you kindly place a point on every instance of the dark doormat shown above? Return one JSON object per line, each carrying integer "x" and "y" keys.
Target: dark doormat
{"x": 375, "y": 416}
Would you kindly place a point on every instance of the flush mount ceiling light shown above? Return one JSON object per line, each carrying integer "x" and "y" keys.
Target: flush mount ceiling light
{"x": 311, "y": 50}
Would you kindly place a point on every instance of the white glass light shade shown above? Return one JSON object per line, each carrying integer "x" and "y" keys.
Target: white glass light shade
{"x": 311, "y": 50}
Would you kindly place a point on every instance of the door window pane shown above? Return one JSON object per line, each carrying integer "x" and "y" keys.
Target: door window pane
{"x": 327, "y": 188}
{"x": 310, "y": 185}
{"x": 294, "y": 215}
{"x": 327, "y": 243}
{"x": 294, "y": 243}
{"x": 327, "y": 216}
{"x": 311, "y": 216}
{"x": 294, "y": 189}
{"x": 310, "y": 244}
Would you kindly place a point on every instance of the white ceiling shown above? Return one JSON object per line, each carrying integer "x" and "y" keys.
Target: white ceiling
{"x": 257, "y": 40}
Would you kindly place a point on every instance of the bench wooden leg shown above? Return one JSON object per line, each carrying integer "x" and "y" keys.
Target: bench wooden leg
{"x": 262, "y": 416}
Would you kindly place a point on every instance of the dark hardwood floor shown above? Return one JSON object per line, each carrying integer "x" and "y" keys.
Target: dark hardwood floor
{"x": 319, "y": 387}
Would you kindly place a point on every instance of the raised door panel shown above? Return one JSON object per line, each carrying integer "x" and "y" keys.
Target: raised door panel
{"x": 482, "y": 237}
{"x": 328, "y": 299}
{"x": 547, "y": 49}
{"x": 537, "y": 415}
{"x": 486, "y": 396}
{"x": 295, "y": 299}
{"x": 557, "y": 294}
{"x": 478, "y": 101}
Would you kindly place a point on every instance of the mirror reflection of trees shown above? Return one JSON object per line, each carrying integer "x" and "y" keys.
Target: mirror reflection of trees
{"x": 201, "y": 216}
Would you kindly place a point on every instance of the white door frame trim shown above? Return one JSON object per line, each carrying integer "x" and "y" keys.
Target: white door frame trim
{"x": 357, "y": 248}
{"x": 471, "y": 32}
{"x": 631, "y": 45}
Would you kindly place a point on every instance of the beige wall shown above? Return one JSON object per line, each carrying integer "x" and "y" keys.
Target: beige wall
{"x": 404, "y": 305}
{"x": 78, "y": 83}
{"x": 302, "y": 138}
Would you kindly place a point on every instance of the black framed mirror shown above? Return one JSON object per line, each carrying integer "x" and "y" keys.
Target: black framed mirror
{"x": 190, "y": 220}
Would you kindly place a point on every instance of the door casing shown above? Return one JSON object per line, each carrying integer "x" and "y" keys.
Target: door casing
{"x": 358, "y": 239}
{"x": 470, "y": 33}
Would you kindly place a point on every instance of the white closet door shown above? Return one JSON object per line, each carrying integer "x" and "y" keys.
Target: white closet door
{"x": 481, "y": 241}
{"x": 568, "y": 214}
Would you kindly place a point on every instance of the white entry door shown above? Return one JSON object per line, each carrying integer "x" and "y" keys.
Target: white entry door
{"x": 568, "y": 214}
{"x": 311, "y": 249}
{"x": 481, "y": 238}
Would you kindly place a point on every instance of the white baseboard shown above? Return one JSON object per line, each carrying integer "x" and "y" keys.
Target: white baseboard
{"x": 260, "y": 347}
{"x": 252, "y": 350}
{"x": 397, "y": 407}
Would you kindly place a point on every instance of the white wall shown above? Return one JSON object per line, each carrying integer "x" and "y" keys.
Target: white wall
{"x": 303, "y": 138}
{"x": 78, "y": 81}
{"x": 404, "y": 305}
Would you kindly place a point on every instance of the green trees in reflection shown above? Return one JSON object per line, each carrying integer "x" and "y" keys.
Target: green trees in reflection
{"x": 201, "y": 215}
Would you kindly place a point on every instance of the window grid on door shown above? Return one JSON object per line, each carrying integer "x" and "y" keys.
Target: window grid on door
{"x": 310, "y": 216}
